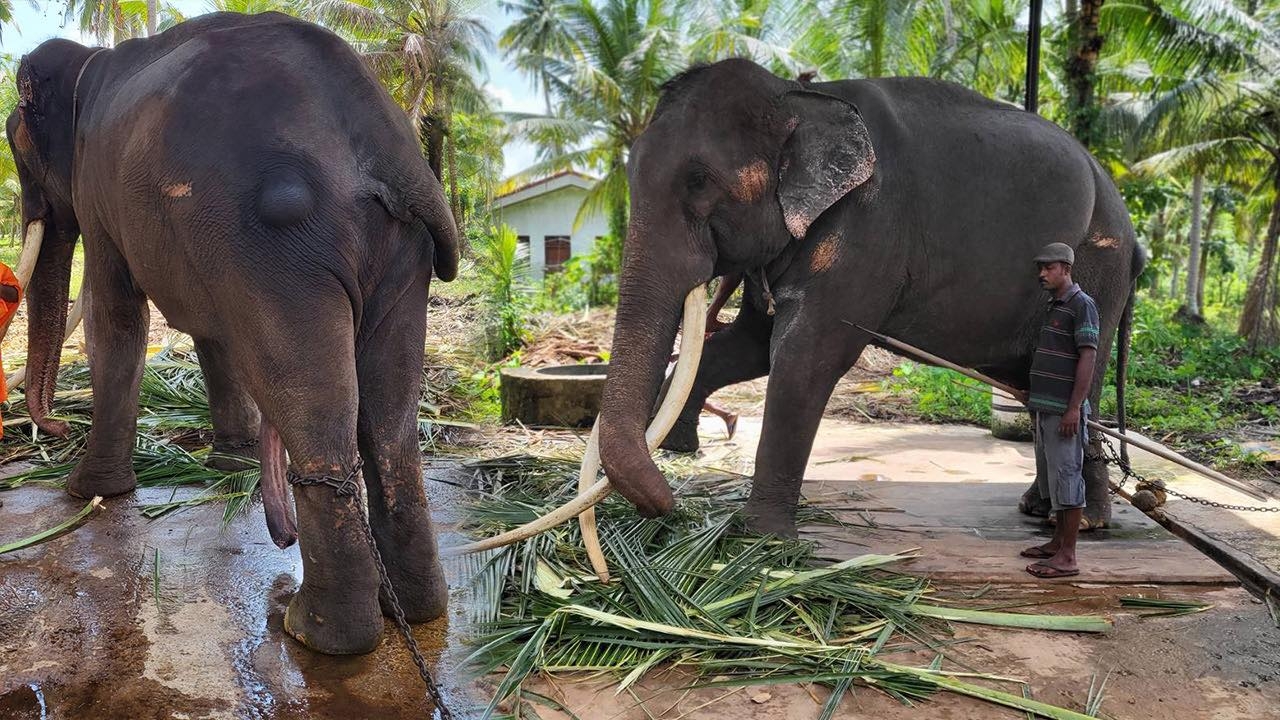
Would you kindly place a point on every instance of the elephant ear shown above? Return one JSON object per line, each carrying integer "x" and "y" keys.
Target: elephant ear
{"x": 827, "y": 155}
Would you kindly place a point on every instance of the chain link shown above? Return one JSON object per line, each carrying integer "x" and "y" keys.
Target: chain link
{"x": 348, "y": 487}
{"x": 1112, "y": 457}
{"x": 398, "y": 613}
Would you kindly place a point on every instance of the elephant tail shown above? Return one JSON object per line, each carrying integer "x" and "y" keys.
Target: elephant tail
{"x": 1124, "y": 333}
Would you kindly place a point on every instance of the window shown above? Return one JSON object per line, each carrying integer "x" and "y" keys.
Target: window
{"x": 556, "y": 252}
{"x": 522, "y": 246}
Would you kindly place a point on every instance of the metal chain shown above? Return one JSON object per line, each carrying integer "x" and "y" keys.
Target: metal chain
{"x": 342, "y": 487}
{"x": 398, "y": 613}
{"x": 1112, "y": 457}
{"x": 348, "y": 487}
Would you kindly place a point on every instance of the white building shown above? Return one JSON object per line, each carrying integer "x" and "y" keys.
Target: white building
{"x": 542, "y": 212}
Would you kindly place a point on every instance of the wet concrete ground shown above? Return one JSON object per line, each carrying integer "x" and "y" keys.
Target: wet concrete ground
{"x": 180, "y": 618}
{"x": 92, "y": 626}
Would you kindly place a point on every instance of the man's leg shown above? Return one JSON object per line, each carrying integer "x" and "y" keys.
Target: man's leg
{"x": 730, "y": 418}
{"x": 1065, "y": 459}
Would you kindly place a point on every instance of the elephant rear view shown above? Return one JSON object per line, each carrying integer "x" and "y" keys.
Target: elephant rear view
{"x": 251, "y": 177}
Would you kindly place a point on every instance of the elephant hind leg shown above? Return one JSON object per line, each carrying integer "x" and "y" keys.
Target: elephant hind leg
{"x": 235, "y": 414}
{"x": 389, "y": 364}
{"x": 117, "y": 323}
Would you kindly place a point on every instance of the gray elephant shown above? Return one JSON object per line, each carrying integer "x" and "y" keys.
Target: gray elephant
{"x": 908, "y": 206}
{"x": 252, "y": 178}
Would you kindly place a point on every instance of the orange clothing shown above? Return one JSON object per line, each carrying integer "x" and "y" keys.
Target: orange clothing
{"x": 7, "y": 309}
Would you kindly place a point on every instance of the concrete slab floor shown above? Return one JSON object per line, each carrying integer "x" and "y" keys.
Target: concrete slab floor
{"x": 182, "y": 618}
{"x": 90, "y": 628}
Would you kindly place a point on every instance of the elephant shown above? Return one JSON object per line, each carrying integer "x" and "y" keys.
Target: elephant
{"x": 251, "y": 177}
{"x": 907, "y": 206}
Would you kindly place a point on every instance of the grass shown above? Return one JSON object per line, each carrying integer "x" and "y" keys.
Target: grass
{"x": 695, "y": 592}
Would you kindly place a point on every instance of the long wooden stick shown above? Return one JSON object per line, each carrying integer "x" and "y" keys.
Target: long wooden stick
{"x": 1147, "y": 445}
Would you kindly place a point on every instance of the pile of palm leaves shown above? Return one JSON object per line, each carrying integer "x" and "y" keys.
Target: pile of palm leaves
{"x": 175, "y": 431}
{"x": 695, "y": 592}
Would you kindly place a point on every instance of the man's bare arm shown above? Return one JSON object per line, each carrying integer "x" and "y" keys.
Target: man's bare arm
{"x": 1084, "y": 379}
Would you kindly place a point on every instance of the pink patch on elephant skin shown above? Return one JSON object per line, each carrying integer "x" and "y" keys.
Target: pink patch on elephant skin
{"x": 825, "y": 254}
{"x": 752, "y": 181}
{"x": 1103, "y": 241}
{"x": 177, "y": 190}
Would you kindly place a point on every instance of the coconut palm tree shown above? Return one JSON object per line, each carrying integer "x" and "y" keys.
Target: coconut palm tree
{"x": 607, "y": 81}
{"x": 1215, "y": 105}
{"x": 430, "y": 55}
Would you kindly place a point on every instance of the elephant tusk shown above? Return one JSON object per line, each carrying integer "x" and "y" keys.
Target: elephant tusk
{"x": 588, "y": 495}
{"x": 694, "y": 328}
{"x": 27, "y": 262}
{"x": 17, "y": 377}
{"x": 30, "y": 252}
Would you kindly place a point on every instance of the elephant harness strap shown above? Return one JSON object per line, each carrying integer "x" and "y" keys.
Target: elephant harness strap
{"x": 768, "y": 295}
{"x": 349, "y": 487}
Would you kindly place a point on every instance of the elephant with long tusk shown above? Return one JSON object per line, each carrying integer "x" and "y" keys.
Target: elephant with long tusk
{"x": 909, "y": 206}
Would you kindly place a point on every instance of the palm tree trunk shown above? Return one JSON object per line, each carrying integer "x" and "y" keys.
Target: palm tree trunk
{"x": 1190, "y": 304}
{"x": 152, "y": 11}
{"x": 1252, "y": 324}
{"x": 1085, "y": 44}
{"x": 1204, "y": 256}
{"x": 1177, "y": 268}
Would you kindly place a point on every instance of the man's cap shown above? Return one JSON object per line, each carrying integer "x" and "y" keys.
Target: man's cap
{"x": 1056, "y": 252}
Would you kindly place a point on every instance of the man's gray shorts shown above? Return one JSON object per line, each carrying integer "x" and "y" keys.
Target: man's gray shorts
{"x": 1059, "y": 463}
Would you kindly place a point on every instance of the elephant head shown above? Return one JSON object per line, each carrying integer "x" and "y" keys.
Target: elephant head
{"x": 736, "y": 165}
{"x": 40, "y": 133}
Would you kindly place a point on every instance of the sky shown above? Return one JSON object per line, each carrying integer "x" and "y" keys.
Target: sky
{"x": 511, "y": 93}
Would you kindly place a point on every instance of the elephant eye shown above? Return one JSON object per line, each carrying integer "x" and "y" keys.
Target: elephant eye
{"x": 697, "y": 180}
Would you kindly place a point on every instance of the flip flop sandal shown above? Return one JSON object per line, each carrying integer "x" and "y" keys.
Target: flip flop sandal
{"x": 1036, "y": 553}
{"x": 1048, "y": 572}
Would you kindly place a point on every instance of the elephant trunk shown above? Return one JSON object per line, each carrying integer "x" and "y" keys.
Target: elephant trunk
{"x": 649, "y": 303}
{"x": 47, "y": 308}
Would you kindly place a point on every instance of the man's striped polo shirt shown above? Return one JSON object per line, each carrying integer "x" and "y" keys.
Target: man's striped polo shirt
{"x": 1072, "y": 324}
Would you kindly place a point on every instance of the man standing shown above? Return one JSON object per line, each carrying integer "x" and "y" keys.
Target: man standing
{"x": 1061, "y": 375}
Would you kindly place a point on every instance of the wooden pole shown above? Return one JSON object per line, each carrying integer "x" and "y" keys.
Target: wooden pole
{"x": 1153, "y": 448}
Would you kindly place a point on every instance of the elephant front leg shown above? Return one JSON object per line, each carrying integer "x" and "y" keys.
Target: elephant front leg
{"x": 234, "y": 413}
{"x": 335, "y": 611}
{"x": 803, "y": 376}
{"x": 390, "y": 372}
{"x": 736, "y": 354}
{"x": 116, "y": 325}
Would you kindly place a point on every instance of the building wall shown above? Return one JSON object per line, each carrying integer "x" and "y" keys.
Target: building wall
{"x": 552, "y": 214}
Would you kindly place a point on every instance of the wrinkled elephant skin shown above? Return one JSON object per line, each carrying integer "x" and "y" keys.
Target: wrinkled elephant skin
{"x": 905, "y": 205}
{"x": 251, "y": 177}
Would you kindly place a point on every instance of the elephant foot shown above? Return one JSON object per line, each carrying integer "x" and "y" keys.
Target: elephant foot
{"x": 683, "y": 438}
{"x": 1032, "y": 504}
{"x": 422, "y": 593}
{"x": 1098, "y": 521}
{"x": 334, "y": 622}
{"x": 763, "y": 521}
{"x": 233, "y": 455}
{"x": 89, "y": 480}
